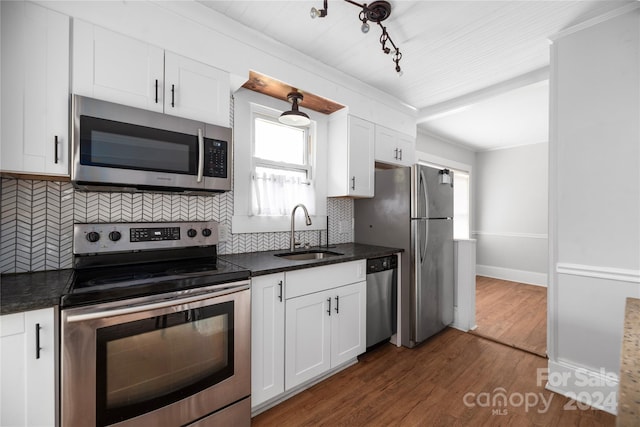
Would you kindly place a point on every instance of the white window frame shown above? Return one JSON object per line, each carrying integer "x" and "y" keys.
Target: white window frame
{"x": 260, "y": 112}
{"x": 248, "y": 105}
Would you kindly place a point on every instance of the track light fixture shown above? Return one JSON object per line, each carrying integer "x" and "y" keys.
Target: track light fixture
{"x": 294, "y": 117}
{"x": 315, "y": 13}
{"x": 375, "y": 12}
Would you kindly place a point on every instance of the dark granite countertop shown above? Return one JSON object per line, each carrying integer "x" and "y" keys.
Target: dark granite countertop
{"x": 32, "y": 291}
{"x": 629, "y": 388}
{"x": 261, "y": 263}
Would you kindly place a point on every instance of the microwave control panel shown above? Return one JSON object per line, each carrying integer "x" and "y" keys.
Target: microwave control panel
{"x": 216, "y": 158}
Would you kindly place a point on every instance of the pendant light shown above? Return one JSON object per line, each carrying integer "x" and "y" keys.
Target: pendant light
{"x": 294, "y": 117}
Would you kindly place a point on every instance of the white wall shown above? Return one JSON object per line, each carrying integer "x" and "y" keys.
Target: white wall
{"x": 594, "y": 200}
{"x": 511, "y": 213}
{"x": 440, "y": 147}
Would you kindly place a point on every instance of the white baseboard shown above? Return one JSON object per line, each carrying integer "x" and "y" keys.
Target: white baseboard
{"x": 597, "y": 389}
{"x": 522, "y": 276}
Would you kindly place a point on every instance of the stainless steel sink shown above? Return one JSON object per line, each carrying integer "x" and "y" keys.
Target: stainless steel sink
{"x": 307, "y": 255}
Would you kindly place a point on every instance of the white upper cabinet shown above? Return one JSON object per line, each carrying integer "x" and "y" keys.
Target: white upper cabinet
{"x": 35, "y": 89}
{"x": 351, "y": 156}
{"x": 117, "y": 68}
{"x": 393, "y": 147}
{"x": 195, "y": 90}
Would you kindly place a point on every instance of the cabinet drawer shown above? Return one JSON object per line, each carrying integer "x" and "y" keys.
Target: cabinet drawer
{"x": 316, "y": 279}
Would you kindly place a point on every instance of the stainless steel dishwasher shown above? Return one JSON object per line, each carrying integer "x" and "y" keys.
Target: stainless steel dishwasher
{"x": 382, "y": 279}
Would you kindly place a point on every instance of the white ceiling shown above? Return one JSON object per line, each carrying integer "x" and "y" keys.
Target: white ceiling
{"x": 450, "y": 49}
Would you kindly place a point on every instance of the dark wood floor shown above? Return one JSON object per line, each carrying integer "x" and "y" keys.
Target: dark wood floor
{"x": 428, "y": 386}
{"x": 512, "y": 313}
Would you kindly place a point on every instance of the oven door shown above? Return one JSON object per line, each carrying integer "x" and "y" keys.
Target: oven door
{"x": 164, "y": 362}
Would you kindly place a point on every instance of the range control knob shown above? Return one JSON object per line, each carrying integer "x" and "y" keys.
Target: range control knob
{"x": 206, "y": 232}
{"x": 114, "y": 236}
{"x": 192, "y": 233}
{"x": 93, "y": 236}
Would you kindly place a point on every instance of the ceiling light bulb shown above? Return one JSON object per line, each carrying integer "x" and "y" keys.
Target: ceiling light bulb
{"x": 365, "y": 27}
{"x": 314, "y": 13}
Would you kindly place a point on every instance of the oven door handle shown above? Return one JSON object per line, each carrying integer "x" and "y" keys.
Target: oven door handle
{"x": 167, "y": 301}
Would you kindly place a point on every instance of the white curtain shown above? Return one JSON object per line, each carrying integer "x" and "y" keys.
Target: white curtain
{"x": 276, "y": 195}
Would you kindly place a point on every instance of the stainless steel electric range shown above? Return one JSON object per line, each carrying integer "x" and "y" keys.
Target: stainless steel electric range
{"x": 155, "y": 329}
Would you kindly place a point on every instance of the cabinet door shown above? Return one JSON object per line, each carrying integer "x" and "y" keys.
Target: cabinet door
{"x": 117, "y": 68}
{"x": 27, "y": 377}
{"x": 35, "y": 89}
{"x": 393, "y": 147}
{"x": 406, "y": 150}
{"x": 196, "y": 90}
{"x": 307, "y": 338}
{"x": 361, "y": 162}
{"x": 348, "y": 323}
{"x": 386, "y": 149}
{"x": 267, "y": 337}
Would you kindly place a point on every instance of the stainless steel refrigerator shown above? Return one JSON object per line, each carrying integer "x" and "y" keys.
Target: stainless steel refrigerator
{"x": 413, "y": 209}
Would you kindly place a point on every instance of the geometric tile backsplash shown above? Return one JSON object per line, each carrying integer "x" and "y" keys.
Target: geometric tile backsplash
{"x": 37, "y": 219}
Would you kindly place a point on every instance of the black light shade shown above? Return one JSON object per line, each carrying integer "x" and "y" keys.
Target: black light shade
{"x": 294, "y": 117}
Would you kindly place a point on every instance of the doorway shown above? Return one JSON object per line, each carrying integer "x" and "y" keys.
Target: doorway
{"x": 512, "y": 313}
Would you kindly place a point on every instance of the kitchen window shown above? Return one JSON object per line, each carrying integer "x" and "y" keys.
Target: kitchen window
{"x": 282, "y": 174}
{"x": 276, "y": 166}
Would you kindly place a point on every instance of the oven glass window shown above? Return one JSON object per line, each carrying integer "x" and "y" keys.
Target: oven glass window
{"x": 122, "y": 145}
{"x": 150, "y": 363}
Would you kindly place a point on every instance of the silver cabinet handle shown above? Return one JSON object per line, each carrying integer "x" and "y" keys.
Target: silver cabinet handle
{"x": 395, "y": 154}
{"x": 280, "y": 286}
{"x": 200, "y": 156}
{"x": 173, "y": 96}
{"x": 337, "y": 304}
{"x": 329, "y": 301}
{"x": 353, "y": 183}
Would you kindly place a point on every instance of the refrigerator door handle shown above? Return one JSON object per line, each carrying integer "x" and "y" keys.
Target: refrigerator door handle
{"x": 424, "y": 240}
{"x": 425, "y": 198}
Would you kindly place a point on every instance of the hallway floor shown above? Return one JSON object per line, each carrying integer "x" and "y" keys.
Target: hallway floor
{"x": 512, "y": 313}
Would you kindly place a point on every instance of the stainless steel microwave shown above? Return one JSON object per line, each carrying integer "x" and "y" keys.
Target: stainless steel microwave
{"x": 120, "y": 148}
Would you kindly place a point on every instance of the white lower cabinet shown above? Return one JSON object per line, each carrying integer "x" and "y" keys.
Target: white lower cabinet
{"x": 27, "y": 373}
{"x": 267, "y": 337}
{"x": 304, "y": 323}
{"x": 307, "y": 338}
{"x": 323, "y": 330}
{"x": 348, "y": 322}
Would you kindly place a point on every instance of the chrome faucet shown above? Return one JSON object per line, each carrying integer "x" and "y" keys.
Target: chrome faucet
{"x": 293, "y": 223}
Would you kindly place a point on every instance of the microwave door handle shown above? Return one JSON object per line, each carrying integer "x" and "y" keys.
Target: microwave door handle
{"x": 200, "y": 155}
